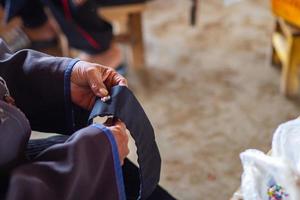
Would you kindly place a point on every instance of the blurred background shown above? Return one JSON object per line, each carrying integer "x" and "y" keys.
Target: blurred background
{"x": 210, "y": 90}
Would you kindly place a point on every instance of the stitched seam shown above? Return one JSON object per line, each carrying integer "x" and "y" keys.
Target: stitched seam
{"x": 67, "y": 94}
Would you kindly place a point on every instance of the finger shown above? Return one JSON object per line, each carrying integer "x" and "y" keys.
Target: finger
{"x": 118, "y": 79}
{"x": 127, "y": 151}
{"x": 120, "y": 124}
{"x": 122, "y": 81}
{"x": 112, "y": 78}
{"x": 96, "y": 83}
{"x": 126, "y": 140}
{"x": 124, "y": 154}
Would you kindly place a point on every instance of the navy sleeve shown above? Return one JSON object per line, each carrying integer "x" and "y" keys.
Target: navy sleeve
{"x": 39, "y": 84}
{"x": 86, "y": 167}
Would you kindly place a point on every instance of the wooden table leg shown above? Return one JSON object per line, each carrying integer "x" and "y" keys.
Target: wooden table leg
{"x": 275, "y": 60}
{"x": 289, "y": 78}
{"x": 136, "y": 40}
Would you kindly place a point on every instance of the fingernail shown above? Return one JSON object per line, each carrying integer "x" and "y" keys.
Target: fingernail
{"x": 105, "y": 99}
{"x": 103, "y": 91}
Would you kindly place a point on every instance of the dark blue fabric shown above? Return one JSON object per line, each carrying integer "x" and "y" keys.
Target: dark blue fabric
{"x": 81, "y": 168}
{"x": 36, "y": 146}
{"x": 124, "y": 106}
{"x": 14, "y": 133}
{"x": 117, "y": 164}
{"x": 67, "y": 92}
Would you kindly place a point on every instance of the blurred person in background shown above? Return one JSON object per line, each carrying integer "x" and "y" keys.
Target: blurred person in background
{"x": 86, "y": 31}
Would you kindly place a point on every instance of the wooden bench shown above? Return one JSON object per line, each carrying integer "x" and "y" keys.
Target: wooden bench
{"x": 286, "y": 52}
{"x": 127, "y": 21}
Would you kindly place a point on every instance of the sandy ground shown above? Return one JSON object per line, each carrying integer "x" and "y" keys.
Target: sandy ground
{"x": 210, "y": 92}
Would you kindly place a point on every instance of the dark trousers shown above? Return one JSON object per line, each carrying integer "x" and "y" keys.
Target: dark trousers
{"x": 130, "y": 171}
{"x": 82, "y": 25}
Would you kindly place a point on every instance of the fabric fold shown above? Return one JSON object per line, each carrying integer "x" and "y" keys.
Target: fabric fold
{"x": 124, "y": 106}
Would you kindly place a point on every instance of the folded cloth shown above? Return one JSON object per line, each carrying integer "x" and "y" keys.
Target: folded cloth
{"x": 14, "y": 134}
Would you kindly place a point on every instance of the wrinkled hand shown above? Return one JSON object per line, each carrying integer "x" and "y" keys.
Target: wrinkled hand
{"x": 89, "y": 80}
{"x": 119, "y": 132}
